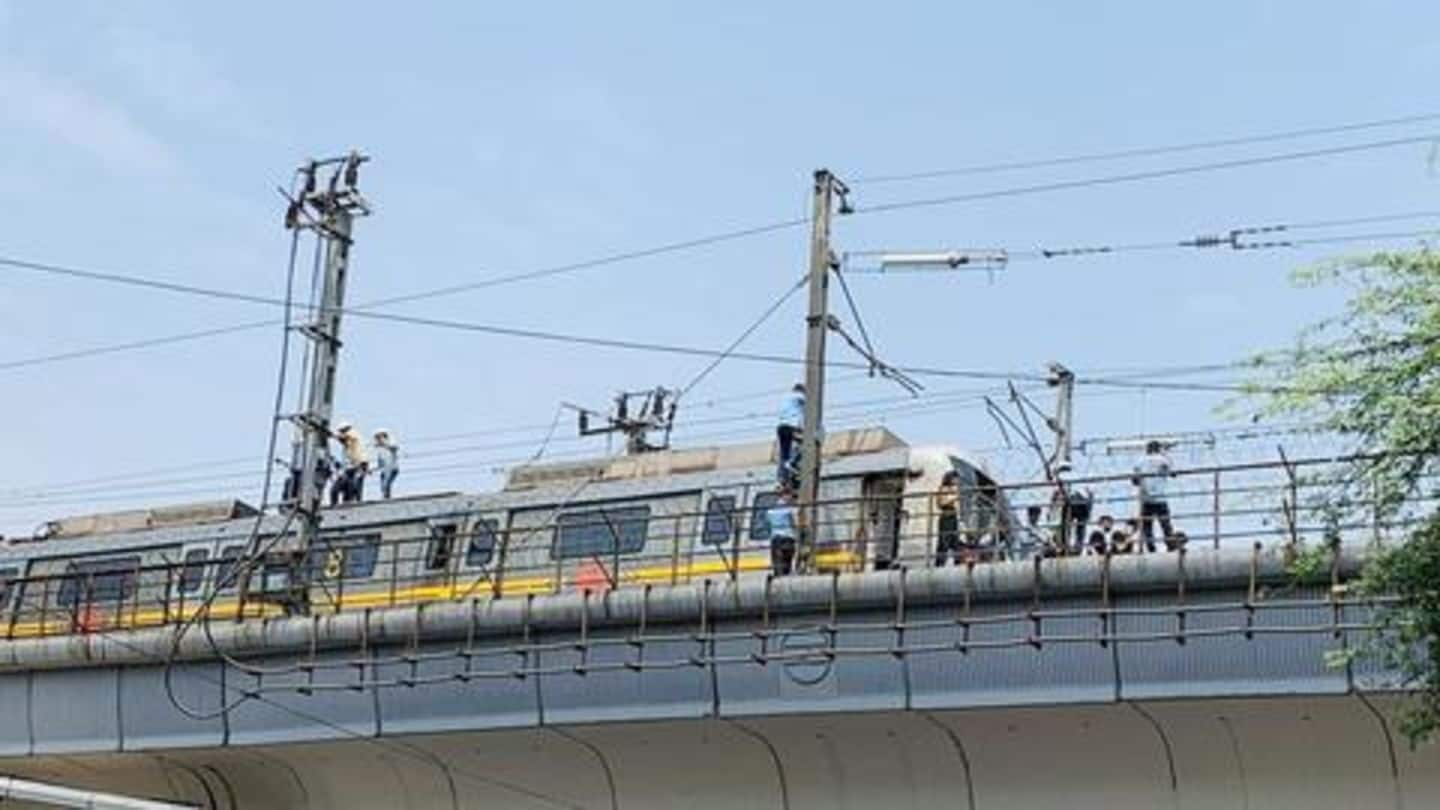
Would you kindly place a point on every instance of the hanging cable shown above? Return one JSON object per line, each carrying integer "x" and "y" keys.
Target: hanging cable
{"x": 735, "y": 344}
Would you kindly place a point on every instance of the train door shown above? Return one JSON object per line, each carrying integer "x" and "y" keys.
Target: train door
{"x": 720, "y": 546}
{"x": 884, "y": 517}
{"x": 839, "y": 544}
{"x": 437, "y": 567}
{"x": 8, "y": 574}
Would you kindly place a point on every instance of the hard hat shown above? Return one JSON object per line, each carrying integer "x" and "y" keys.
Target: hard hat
{"x": 344, "y": 427}
{"x": 382, "y": 432}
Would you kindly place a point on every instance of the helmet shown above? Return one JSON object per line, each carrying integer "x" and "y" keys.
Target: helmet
{"x": 344, "y": 427}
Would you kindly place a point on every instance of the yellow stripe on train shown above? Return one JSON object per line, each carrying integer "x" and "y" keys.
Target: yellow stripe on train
{"x": 370, "y": 597}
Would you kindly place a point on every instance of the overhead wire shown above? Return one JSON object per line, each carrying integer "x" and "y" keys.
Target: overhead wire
{"x": 1138, "y": 379}
{"x": 1148, "y": 174}
{"x": 1276, "y": 236}
{"x": 230, "y": 295}
{"x": 858, "y": 412}
{"x": 867, "y": 405}
{"x": 1145, "y": 151}
{"x": 657, "y": 250}
{"x": 91, "y": 483}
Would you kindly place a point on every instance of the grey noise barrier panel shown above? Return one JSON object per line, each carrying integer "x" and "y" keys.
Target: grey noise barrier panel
{"x": 719, "y": 599}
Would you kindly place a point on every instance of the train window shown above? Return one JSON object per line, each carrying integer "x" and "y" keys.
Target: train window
{"x": 719, "y": 520}
{"x": 98, "y": 581}
{"x": 6, "y": 575}
{"x": 361, "y": 555}
{"x": 192, "y": 575}
{"x": 482, "y": 543}
{"x": 442, "y": 546}
{"x": 760, "y": 515}
{"x": 348, "y": 557}
{"x": 226, "y": 569}
{"x": 601, "y": 532}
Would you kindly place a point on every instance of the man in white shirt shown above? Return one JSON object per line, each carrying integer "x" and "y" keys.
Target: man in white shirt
{"x": 1152, "y": 475}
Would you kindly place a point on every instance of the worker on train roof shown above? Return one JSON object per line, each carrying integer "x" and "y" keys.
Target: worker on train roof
{"x": 350, "y": 486}
{"x": 387, "y": 461}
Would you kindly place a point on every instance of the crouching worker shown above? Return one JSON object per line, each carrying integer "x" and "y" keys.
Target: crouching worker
{"x": 783, "y": 533}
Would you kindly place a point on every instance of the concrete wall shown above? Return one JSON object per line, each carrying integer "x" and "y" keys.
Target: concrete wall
{"x": 1274, "y": 753}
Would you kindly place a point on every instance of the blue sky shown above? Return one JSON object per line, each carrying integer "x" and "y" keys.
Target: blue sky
{"x": 149, "y": 138}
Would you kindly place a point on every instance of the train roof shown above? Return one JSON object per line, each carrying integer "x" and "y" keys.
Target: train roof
{"x": 665, "y": 463}
{"x": 848, "y": 451}
{"x": 157, "y": 517}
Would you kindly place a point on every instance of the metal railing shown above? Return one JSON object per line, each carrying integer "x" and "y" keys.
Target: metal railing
{"x": 1252, "y": 504}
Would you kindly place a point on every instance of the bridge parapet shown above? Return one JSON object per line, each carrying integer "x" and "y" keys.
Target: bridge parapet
{"x": 1212, "y": 623}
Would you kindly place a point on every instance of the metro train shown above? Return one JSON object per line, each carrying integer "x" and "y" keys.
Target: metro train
{"x": 653, "y": 518}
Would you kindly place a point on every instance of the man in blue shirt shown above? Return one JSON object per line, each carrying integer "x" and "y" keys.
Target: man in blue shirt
{"x": 787, "y": 431}
{"x": 783, "y": 532}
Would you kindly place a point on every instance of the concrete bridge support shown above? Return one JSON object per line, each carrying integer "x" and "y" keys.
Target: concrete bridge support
{"x": 1307, "y": 753}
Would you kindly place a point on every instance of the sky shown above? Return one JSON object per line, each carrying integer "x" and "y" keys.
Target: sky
{"x": 149, "y": 139}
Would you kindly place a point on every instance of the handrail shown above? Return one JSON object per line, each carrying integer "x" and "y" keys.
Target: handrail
{"x": 524, "y": 559}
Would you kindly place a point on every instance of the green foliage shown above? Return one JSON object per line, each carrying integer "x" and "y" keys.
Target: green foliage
{"x": 1372, "y": 376}
{"x": 1311, "y": 566}
{"x": 1406, "y": 641}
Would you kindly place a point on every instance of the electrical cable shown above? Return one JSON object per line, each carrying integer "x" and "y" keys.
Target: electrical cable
{"x": 144, "y": 474}
{"x": 847, "y": 416}
{"x": 175, "y": 287}
{"x": 649, "y": 252}
{"x": 147, "y": 343}
{"x": 855, "y": 410}
{"x": 613, "y": 258}
{"x": 1311, "y": 224}
{"x": 1149, "y": 174}
{"x": 410, "y": 751}
{"x": 1125, "y": 377}
{"x": 735, "y": 344}
{"x": 1149, "y": 151}
{"x": 243, "y": 566}
{"x": 549, "y": 434}
{"x": 249, "y": 298}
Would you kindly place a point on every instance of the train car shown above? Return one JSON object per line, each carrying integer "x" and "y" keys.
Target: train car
{"x": 655, "y": 518}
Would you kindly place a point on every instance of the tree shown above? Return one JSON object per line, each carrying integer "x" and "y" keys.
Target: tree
{"x": 1371, "y": 375}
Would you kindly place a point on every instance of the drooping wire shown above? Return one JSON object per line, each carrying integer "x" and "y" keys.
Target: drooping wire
{"x": 735, "y": 344}
{"x": 242, "y": 568}
{"x": 549, "y": 434}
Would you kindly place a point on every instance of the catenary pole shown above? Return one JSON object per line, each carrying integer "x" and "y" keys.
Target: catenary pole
{"x": 822, "y": 260}
{"x": 328, "y": 208}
